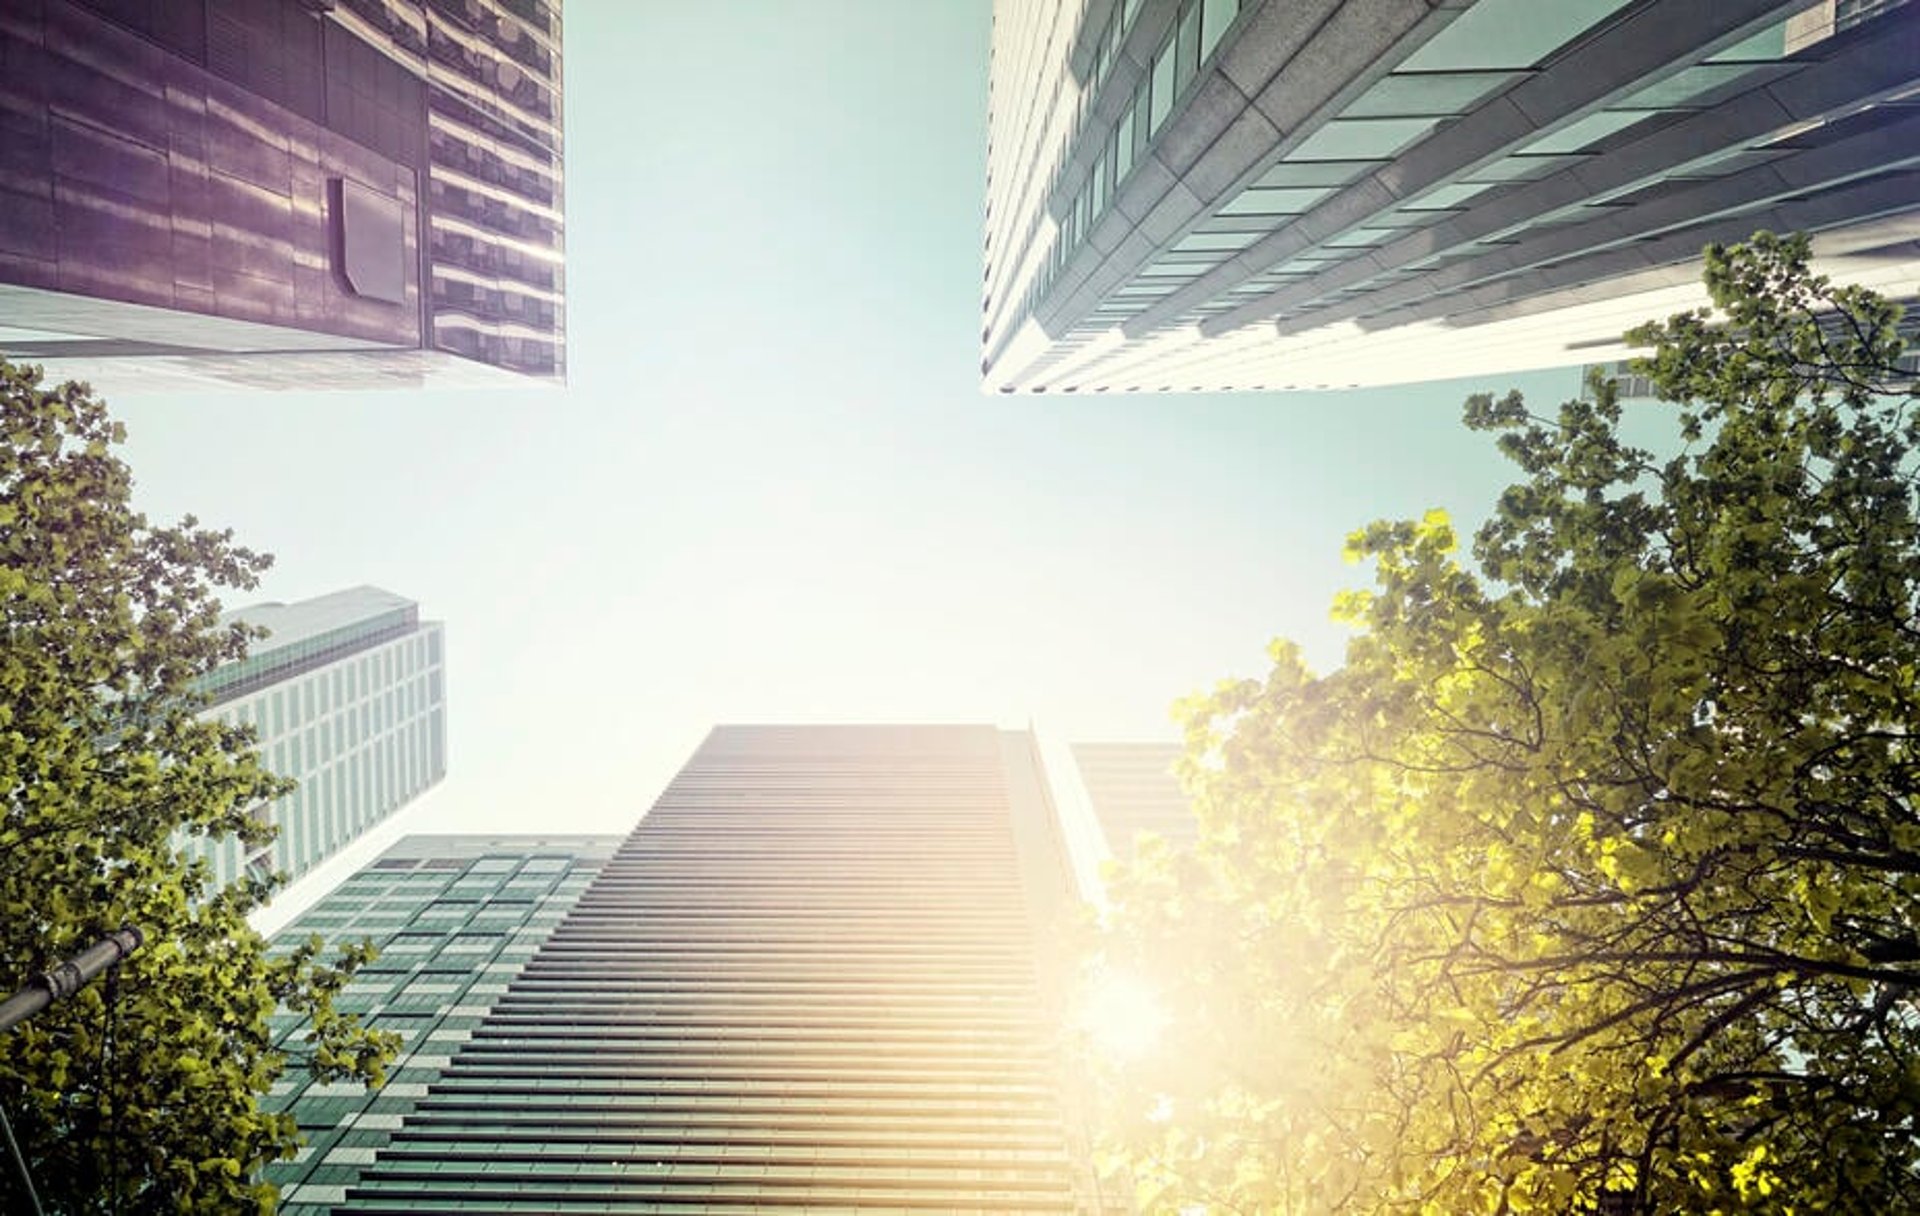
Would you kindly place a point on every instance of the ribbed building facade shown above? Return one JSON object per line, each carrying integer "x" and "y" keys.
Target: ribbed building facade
{"x": 282, "y": 193}
{"x": 347, "y": 695}
{"x": 495, "y": 192}
{"x": 1132, "y": 792}
{"x": 1247, "y": 194}
{"x": 455, "y": 918}
{"x": 814, "y": 978}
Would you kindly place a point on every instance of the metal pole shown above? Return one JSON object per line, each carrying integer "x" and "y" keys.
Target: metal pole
{"x": 20, "y": 1163}
{"x": 58, "y": 982}
{"x": 67, "y": 977}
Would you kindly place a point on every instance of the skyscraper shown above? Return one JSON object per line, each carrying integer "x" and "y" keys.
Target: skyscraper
{"x": 1132, "y": 790}
{"x": 348, "y": 695}
{"x": 1210, "y": 194}
{"x": 812, "y": 978}
{"x": 282, "y": 193}
{"x": 455, "y": 918}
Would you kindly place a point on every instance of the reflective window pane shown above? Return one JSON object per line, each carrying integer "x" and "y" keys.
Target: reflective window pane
{"x": 1260, "y": 201}
{"x": 1589, "y": 130}
{"x": 1215, "y": 17}
{"x": 1509, "y": 34}
{"x": 1317, "y": 172}
{"x": 1405, "y": 94}
{"x": 1362, "y": 138}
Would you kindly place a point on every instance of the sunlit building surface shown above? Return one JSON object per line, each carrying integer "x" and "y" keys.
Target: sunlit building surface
{"x": 1220, "y": 194}
{"x": 347, "y": 694}
{"x": 455, "y": 919}
{"x": 813, "y": 978}
{"x": 282, "y": 193}
{"x": 1132, "y": 790}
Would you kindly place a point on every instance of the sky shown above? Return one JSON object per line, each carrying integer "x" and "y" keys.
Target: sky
{"x": 772, "y": 489}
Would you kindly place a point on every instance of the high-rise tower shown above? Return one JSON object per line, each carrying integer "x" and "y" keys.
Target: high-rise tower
{"x": 1211, "y": 194}
{"x": 455, "y": 918}
{"x": 348, "y": 695}
{"x": 282, "y": 193}
{"x": 812, "y": 978}
{"x": 1132, "y": 790}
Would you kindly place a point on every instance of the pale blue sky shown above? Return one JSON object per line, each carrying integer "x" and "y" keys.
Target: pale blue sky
{"x": 773, "y": 490}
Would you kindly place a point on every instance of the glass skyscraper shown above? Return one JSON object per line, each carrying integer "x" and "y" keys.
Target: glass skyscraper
{"x": 282, "y": 193}
{"x": 455, "y": 919}
{"x": 817, "y": 976}
{"x": 348, "y": 696}
{"x": 1222, "y": 194}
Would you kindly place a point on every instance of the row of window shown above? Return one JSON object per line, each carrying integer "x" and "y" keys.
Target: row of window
{"x": 266, "y": 661}
{"x": 432, "y": 986}
{"x": 1479, "y": 55}
{"x": 825, "y": 1170}
{"x": 1197, "y": 30}
{"x": 345, "y": 683}
{"x": 334, "y": 803}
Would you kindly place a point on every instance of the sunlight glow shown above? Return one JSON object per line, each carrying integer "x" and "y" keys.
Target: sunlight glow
{"x": 1121, "y": 1014}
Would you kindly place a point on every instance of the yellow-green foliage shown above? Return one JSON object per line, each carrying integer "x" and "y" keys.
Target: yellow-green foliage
{"x": 140, "y": 1093}
{"x": 1590, "y": 881}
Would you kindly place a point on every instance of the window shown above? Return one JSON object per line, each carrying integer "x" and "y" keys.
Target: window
{"x": 1215, "y": 241}
{"x": 1162, "y": 89}
{"x": 1259, "y": 201}
{"x": 1511, "y": 34}
{"x": 1346, "y": 139}
{"x": 1412, "y": 94}
{"x": 1186, "y": 48}
{"x": 1588, "y": 130}
{"x": 1215, "y": 17}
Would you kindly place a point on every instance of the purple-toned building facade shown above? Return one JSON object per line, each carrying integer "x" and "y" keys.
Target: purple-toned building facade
{"x": 282, "y": 193}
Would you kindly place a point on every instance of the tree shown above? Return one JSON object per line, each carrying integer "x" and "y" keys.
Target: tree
{"x": 1591, "y": 880}
{"x": 140, "y": 1093}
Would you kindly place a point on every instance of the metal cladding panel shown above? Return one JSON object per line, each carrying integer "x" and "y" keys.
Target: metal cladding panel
{"x": 271, "y": 48}
{"x": 181, "y": 155}
{"x": 495, "y": 207}
{"x": 373, "y": 244}
{"x": 148, "y": 180}
{"x": 808, "y": 980}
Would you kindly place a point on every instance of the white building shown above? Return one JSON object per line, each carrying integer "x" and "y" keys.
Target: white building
{"x": 1267, "y": 194}
{"x": 348, "y": 695}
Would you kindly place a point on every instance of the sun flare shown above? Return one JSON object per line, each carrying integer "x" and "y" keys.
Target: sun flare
{"x": 1121, "y": 1014}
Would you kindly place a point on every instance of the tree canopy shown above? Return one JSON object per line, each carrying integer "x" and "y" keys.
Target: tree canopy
{"x": 1591, "y": 880}
{"x": 139, "y": 1094}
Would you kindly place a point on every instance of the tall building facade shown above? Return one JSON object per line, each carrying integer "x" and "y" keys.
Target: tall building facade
{"x": 1132, "y": 791}
{"x": 282, "y": 193}
{"x": 813, "y": 978}
{"x": 347, "y": 693}
{"x": 455, "y": 919}
{"x": 1220, "y": 194}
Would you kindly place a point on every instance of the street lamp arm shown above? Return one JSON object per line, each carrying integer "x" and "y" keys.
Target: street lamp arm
{"x": 68, "y": 976}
